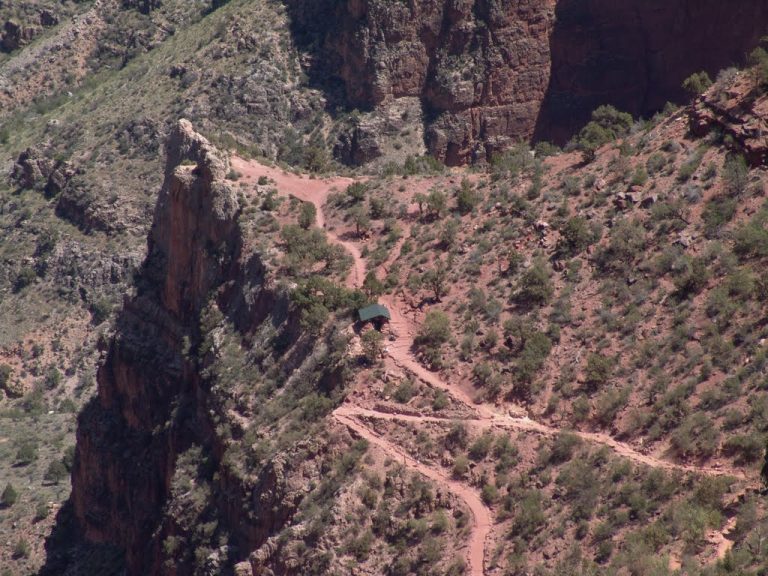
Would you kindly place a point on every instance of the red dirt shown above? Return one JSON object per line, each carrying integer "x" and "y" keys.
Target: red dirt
{"x": 487, "y": 416}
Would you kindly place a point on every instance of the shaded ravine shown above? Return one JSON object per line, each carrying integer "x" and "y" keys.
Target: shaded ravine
{"x": 316, "y": 191}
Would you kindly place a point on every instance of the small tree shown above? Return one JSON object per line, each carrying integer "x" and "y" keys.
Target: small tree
{"x": 56, "y": 472}
{"x": 598, "y": 371}
{"x": 356, "y": 192}
{"x": 307, "y": 215}
{"x": 697, "y": 83}
{"x": 535, "y": 286}
{"x": 361, "y": 220}
{"x": 372, "y": 342}
{"x": 372, "y": 285}
{"x": 577, "y": 234}
{"x": 420, "y": 199}
{"x": 10, "y": 495}
{"x": 436, "y": 203}
{"x": 607, "y": 125}
{"x": 435, "y": 332}
{"x": 437, "y": 279}
{"x": 466, "y": 197}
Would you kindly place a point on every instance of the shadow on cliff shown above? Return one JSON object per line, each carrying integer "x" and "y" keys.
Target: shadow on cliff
{"x": 312, "y": 24}
{"x": 67, "y": 552}
{"x": 635, "y": 55}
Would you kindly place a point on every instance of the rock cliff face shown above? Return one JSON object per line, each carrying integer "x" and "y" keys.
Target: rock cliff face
{"x": 149, "y": 469}
{"x": 123, "y": 462}
{"x": 490, "y": 72}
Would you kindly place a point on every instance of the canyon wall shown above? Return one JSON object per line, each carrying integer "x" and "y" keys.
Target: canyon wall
{"x": 159, "y": 473}
{"x": 491, "y": 72}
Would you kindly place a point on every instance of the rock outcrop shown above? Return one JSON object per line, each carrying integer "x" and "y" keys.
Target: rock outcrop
{"x": 489, "y": 73}
{"x": 163, "y": 418}
{"x": 739, "y": 111}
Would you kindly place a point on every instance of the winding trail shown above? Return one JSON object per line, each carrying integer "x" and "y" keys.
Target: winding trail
{"x": 487, "y": 416}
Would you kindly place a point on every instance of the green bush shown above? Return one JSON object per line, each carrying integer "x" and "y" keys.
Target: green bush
{"x": 26, "y": 453}
{"x": 607, "y": 125}
{"x": 466, "y": 197}
{"x": 563, "y": 447}
{"x": 10, "y": 496}
{"x": 307, "y": 215}
{"x": 21, "y": 549}
{"x": 481, "y": 447}
{"x": 735, "y": 174}
{"x": 434, "y": 332}
{"x": 577, "y": 234}
{"x": 717, "y": 213}
{"x": 535, "y": 286}
{"x": 56, "y": 472}
{"x": 598, "y": 371}
{"x": 697, "y": 436}
{"x": 697, "y": 83}
{"x": 751, "y": 239}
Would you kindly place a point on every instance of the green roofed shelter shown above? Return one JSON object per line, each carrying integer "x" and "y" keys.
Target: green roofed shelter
{"x": 375, "y": 313}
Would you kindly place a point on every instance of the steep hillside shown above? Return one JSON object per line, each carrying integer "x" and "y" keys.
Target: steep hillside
{"x": 603, "y": 306}
{"x": 574, "y": 366}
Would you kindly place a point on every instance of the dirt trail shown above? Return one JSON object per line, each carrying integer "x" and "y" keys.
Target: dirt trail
{"x": 314, "y": 190}
{"x": 400, "y": 350}
{"x": 481, "y": 515}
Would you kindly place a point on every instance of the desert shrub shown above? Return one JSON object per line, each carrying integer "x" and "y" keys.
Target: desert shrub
{"x": 26, "y": 453}
{"x": 5, "y": 375}
{"x": 758, "y": 59}
{"x": 489, "y": 494}
{"x": 535, "y": 286}
{"x": 577, "y": 235}
{"x": 437, "y": 202}
{"x": 41, "y": 511}
{"x": 460, "y": 466}
{"x": 10, "y": 496}
{"x": 598, "y": 371}
{"x": 529, "y": 515}
{"x": 434, "y": 332}
{"x": 563, "y": 447}
{"x": 751, "y": 239}
{"x": 691, "y": 277}
{"x": 404, "y": 392}
{"x": 457, "y": 437}
{"x": 689, "y": 167}
{"x": 467, "y": 197}
{"x": 360, "y": 547}
{"x": 746, "y": 449}
{"x": 481, "y": 447}
{"x": 717, "y": 213}
{"x": 21, "y": 549}
{"x": 307, "y": 215}
{"x": 735, "y": 174}
{"x": 25, "y": 277}
{"x": 627, "y": 242}
{"x": 655, "y": 163}
{"x": 571, "y": 185}
{"x": 482, "y": 372}
{"x": 372, "y": 343}
{"x": 697, "y": 83}
{"x": 607, "y": 125}
{"x": 512, "y": 162}
{"x": 56, "y": 472}
{"x": 357, "y": 191}
{"x": 696, "y": 436}
{"x": 639, "y": 177}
